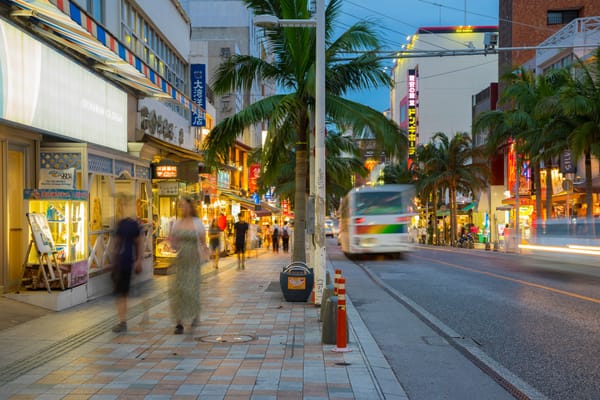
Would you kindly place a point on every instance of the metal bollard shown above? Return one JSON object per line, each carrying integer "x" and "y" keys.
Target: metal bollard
{"x": 327, "y": 293}
{"x": 342, "y": 333}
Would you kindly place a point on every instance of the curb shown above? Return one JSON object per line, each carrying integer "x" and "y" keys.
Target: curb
{"x": 385, "y": 381}
{"x": 381, "y": 372}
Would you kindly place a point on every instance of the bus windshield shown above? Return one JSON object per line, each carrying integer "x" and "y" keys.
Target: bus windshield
{"x": 379, "y": 203}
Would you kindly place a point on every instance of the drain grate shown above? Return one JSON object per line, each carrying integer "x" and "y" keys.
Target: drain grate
{"x": 232, "y": 338}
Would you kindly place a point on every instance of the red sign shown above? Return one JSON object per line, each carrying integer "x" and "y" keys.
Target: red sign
{"x": 253, "y": 175}
{"x": 285, "y": 206}
{"x": 209, "y": 184}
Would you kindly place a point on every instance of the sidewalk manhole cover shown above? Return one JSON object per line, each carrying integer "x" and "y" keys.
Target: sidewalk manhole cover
{"x": 226, "y": 338}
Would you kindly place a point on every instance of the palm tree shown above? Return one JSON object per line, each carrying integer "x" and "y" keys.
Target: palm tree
{"x": 532, "y": 122}
{"x": 452, "y": 164}
{"x": 342, "y": 163}
{"x": 293, "y": 69}
{"x": 427, "y": 187}
{"x": 580, "y": 100}
{"x": 397, "y": 173}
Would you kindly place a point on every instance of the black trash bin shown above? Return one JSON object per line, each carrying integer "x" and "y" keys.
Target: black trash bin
{"x": 296, "y": 281}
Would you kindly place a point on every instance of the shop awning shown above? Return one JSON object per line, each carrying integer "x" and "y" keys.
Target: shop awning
{"x": 245, "y": 202}
{"x": 269, "y": 208}
{"x": 469, "y": 206}
{"x": 595, "y": 185}
{"x": 524, "y": 200}
{"x": 562, "y": 196}
{"x": 63, "y": 22}
{"x": 177, "y": 151}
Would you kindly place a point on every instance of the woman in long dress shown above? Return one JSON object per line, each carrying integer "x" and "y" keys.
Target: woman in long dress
{"x": 189, "y": 238}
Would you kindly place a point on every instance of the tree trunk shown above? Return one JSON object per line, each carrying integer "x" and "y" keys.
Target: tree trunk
{"x": 538, "y": 190}
{"x": 588, "y": 186}
{"x": 436, "y": 235}
{"x": 548, "y": 189}
{"x": 299, "y": 252}
{"x": 453, "y": 217}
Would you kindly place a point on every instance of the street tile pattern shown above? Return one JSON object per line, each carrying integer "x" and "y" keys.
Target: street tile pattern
{"x": 285, "y": 359}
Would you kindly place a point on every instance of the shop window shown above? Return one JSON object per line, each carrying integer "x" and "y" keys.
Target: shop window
{"x": 102, "y": 199}
{"x": 561, "y": 17}
{"x": 96, "y": 9}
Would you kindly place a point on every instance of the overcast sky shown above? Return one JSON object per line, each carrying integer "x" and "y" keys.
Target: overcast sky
{"x": 397, "y": 19}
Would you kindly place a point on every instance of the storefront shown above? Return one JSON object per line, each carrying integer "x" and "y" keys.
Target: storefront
{"x": 170, "y": 182}
{"x": 74, "y": 127}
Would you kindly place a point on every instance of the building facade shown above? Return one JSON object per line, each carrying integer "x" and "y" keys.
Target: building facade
{"x": 528, "y": 23}
{"x": 222, "y": 29}
{"x": 546, "y": 24}
{"x": 80, "y": 142}
{"x": 432, "y": 96}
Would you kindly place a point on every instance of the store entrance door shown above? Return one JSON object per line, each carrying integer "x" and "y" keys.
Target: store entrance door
{"x": 17, "y": 229}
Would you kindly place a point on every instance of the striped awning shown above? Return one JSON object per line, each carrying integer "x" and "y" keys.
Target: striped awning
{"x": 64, "y": 22}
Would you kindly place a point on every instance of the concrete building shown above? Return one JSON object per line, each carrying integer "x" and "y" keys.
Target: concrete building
{"x": 434, "y": 94}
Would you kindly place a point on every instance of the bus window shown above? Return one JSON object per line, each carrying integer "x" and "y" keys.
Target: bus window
{"x": 379, "y": 203}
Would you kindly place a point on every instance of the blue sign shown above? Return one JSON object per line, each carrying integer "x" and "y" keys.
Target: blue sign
{"x": 198, "y": 80}
{"x": 256, "y": 198}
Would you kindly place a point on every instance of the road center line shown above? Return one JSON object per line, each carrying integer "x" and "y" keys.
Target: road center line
{"x": 507, "y": 278}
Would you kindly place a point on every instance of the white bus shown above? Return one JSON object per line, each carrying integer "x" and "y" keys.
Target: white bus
{"x": 376, "y": 219}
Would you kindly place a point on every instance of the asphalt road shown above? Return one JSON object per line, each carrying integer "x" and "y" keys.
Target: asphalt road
{"x": 539, "y": 319}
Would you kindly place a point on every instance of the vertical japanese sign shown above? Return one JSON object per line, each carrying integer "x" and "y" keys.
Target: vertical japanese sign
{"x": 413, "y": 122}
{"x": 253, "y": 176}
{"x": 198, "y": 80}
{"x": 567, "y": 166}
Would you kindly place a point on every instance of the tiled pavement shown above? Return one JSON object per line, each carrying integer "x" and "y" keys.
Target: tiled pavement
{"x": 284, "y": 358}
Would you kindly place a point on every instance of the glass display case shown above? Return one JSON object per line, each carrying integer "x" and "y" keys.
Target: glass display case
{"x": 66, "y": 213}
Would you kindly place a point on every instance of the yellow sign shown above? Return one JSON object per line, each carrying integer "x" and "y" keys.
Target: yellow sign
{"x": 296, "y": 283}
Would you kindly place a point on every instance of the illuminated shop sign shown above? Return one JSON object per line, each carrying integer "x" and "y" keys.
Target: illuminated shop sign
{"x": 41, "y": 88}
{"x": 413, "y": 122}
{"x": 166, "y": 171}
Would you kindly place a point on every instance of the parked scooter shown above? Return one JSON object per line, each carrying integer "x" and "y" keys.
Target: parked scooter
{"x": 466, "y": 241}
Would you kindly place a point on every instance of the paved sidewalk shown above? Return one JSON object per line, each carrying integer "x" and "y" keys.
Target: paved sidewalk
{"x": 74, "y": 355}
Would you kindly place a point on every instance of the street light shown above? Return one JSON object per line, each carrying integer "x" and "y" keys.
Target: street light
{"x": 271, "y": 21}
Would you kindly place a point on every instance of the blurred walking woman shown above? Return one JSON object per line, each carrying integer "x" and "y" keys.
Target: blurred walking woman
{"x": 189, "y": 238}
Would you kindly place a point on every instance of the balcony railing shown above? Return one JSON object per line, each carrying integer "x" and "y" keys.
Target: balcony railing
{"x": 579, "y": 31}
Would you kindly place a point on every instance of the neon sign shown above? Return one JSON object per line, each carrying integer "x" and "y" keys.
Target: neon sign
{"x": 413, "y": 122}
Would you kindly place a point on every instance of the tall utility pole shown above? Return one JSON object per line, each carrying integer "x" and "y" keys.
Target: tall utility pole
{"x": 320, "y": 255}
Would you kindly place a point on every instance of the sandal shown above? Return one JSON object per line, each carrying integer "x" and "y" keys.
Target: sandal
{"x": 179, "y": 329}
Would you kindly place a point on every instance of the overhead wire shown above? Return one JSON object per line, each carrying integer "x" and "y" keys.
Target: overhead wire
{"x": 393, "y": 44}
{"x": 453, "y": 71}
{"x": 395, "y": 31}
{"x": 404, "y": 23}
{"x": 499, "y": 18}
